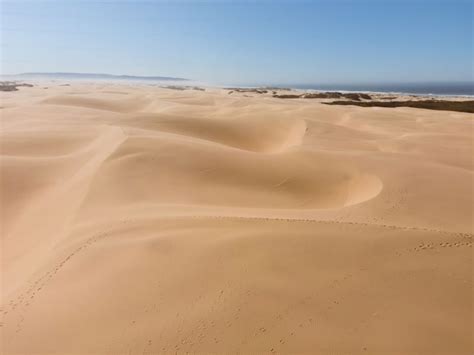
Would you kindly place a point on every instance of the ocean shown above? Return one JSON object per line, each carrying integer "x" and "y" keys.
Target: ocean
{"x": 465, "y": 88}
{"x": 455, "y": 88}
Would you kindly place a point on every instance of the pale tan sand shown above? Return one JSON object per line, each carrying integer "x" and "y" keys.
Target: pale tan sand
{"x": 137, "y": 219}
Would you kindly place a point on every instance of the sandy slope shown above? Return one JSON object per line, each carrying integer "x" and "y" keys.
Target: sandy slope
{"x": 144, "y": 220}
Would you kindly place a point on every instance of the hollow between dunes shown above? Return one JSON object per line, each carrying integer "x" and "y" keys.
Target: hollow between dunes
{"x": 166, "y": 171}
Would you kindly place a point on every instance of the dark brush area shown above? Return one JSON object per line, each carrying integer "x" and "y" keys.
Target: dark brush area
{"x": 12, "y": 86}
{"x": 327, "y": 95}
{"x": 257, "y": 91}
{"x": 442, "y": 105}
{"x": 181, "y": 88}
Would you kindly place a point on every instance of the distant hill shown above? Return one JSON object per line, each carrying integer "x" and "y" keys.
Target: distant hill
{"x": 91, "y": 76}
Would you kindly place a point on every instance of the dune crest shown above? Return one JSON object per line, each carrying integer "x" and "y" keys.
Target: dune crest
{"x": 115, "y": 105}
{"x": 252, "y": 134}
{"x": 362, "y": 188}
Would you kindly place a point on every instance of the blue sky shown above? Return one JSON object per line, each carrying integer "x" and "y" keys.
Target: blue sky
{"x": 243, "y": 42}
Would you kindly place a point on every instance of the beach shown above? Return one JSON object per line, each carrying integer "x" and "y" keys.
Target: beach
{"x": 144, "y": 219}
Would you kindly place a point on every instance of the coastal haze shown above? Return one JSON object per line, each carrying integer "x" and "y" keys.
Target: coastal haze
{"x": 462, "y": 88}
{"x": 245, "y": 181}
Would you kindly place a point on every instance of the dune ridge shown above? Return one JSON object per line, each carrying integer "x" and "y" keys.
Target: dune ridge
{"x": 138, "y": 219}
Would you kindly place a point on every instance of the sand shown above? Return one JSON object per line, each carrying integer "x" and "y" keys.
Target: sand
{"x": 138, "y": 219}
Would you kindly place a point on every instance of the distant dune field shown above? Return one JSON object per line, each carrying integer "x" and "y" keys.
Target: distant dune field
{"x": 143, "y": 220}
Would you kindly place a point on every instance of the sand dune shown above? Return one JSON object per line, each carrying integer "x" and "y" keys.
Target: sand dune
{"x": 210, "y": 175}
{"x": 259, "y": 135}
{"x": 116, "y": 105}
{"x": 138, "y": 219}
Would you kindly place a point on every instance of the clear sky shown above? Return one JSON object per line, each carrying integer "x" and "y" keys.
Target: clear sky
{"x": 243, "y": 42}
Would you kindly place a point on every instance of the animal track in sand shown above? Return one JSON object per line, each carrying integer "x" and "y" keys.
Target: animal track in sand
{"x": 40, "y": 283}
{"x": 462, "y": 240}
{"x": 309, "y": 220}
{"x": 278, "y": 325}
{"x": 24, "y": 299}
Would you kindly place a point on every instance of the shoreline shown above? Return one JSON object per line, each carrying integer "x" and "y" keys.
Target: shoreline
{"x": 454, "y": 103}
{"x": 191, "y": 82}
{"x": 399, "y": 93}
